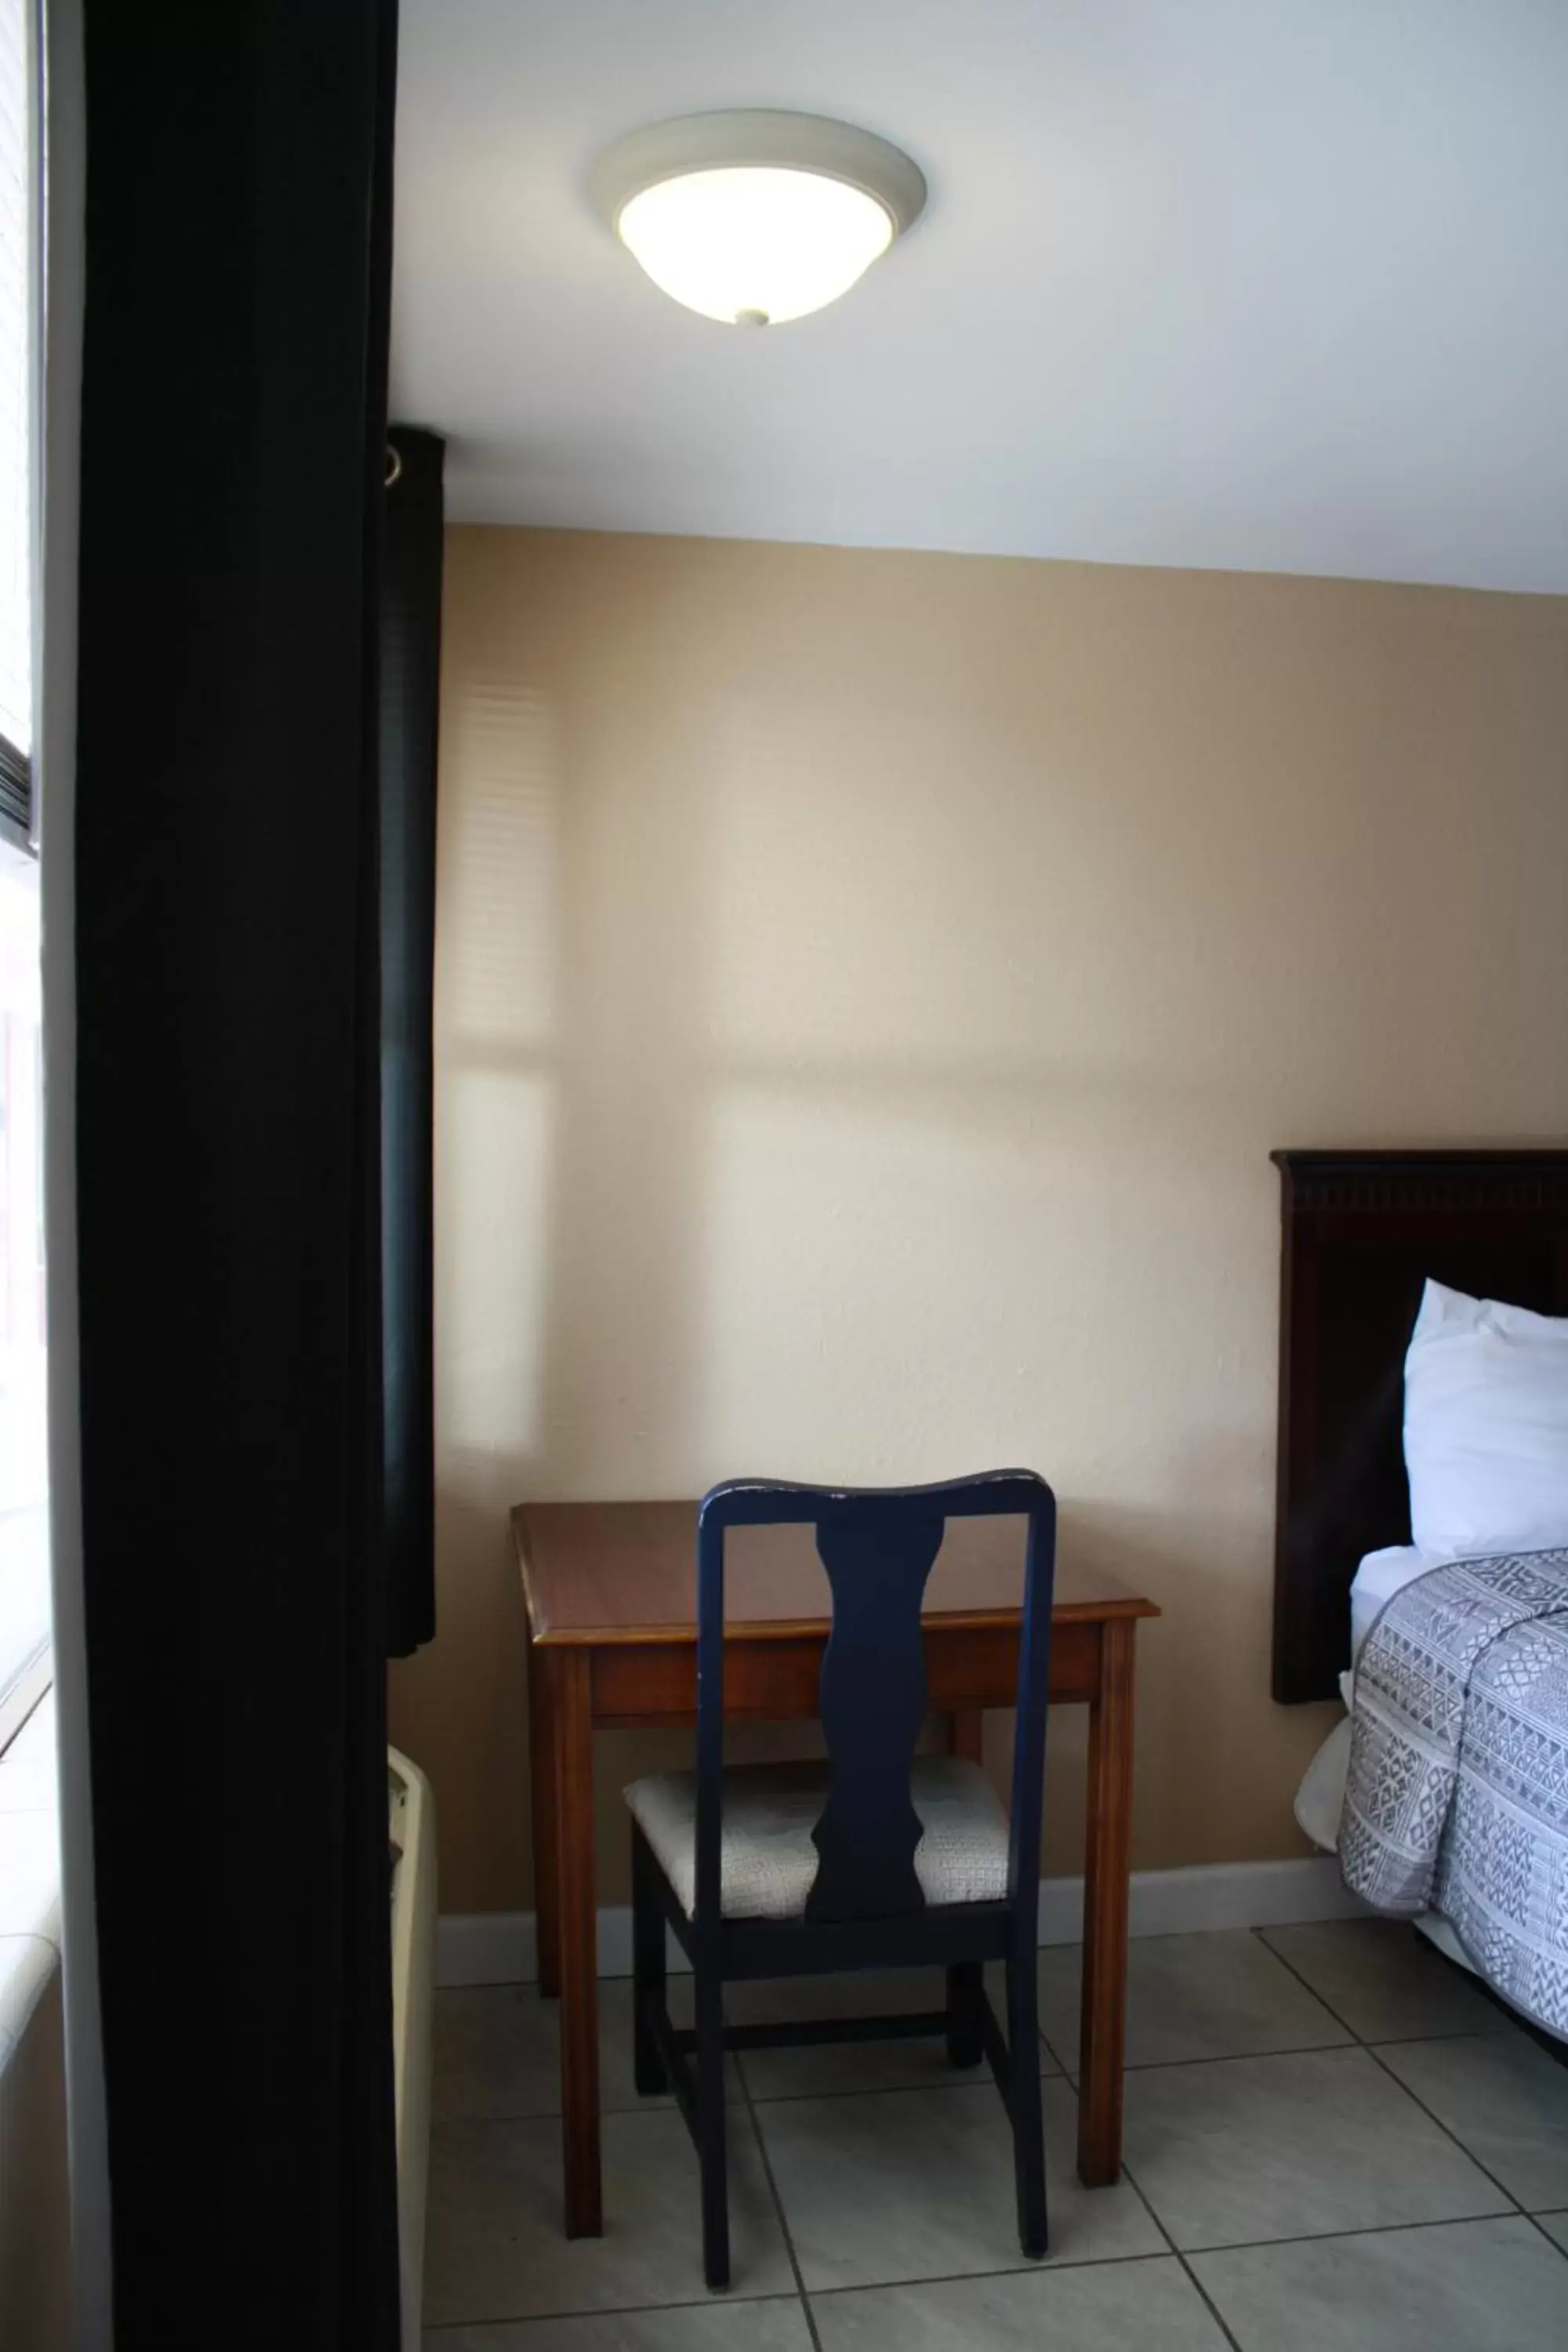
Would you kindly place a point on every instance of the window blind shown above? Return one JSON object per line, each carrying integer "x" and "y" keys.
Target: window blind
{"x": 17, "y": 216}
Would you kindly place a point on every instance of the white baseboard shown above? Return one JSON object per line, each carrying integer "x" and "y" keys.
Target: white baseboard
{"x": 1213, "y": 1895}
{"x": 497, "y": 1947}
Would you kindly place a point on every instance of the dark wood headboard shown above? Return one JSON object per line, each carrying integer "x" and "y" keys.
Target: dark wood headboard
{"x": 1362, "y": 1230}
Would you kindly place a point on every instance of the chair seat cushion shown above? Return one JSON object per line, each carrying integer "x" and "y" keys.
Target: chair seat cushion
{"x": 768, "y": 1861}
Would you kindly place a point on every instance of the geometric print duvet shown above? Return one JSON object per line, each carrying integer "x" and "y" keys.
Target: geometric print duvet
{"x": 1456, "y": 1798}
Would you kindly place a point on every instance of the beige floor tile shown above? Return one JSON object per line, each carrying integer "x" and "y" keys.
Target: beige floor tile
{"x": 1386, "y": 1981}
{"x": 1505, "y": 2100}
{"x": 1211, "y": 1996}
{"x": 1241, "y": 2149}
{"x": 496, "y": 2049}
{"x": 716, "y": 2326}
{"x": 1133, "y": 2306}
{"x": 855, "y": 2065}
{"x": 494, "y": 2244}
{"x": 1471, "y": 2287}
{"x": 902, "y": 2185}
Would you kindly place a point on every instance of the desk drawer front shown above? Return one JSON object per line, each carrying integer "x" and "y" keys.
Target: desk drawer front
{"x": 775, "y": 1682}
{"x": 765, "y": 1681}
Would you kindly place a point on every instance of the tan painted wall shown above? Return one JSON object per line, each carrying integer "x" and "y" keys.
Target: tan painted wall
{"x": 869, "y": 988}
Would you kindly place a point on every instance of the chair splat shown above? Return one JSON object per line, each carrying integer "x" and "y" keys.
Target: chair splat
{"x": 873, "y": 1703}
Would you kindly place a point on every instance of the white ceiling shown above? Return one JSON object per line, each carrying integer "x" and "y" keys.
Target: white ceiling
{"x": 1270, "y": 284}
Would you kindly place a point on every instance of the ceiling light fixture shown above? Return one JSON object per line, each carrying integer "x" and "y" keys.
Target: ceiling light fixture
{"x": 757, "y": 216}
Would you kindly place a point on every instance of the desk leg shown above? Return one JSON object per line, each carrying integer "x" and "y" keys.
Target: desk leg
{"x": 966, "y": 1733}
{"x": 572, "y": 1717}
{"x": 541, "y": 1792}
{"x": 1104, "y": 2020}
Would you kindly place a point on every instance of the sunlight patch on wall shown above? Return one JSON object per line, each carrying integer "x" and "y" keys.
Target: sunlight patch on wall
{"x": 899, "y": 1288}
{"x": 496, "y": 1143}
{"x": 500, "y": 861}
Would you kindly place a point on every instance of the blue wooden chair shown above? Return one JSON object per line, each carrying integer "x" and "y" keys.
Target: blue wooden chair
{"x": 878, "y": 1858}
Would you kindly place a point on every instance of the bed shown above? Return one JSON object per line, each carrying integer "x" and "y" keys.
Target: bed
{"x": 1363, "y": 1233}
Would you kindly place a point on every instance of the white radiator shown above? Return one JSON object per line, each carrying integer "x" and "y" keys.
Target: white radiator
{"x": 412, "y": 1829}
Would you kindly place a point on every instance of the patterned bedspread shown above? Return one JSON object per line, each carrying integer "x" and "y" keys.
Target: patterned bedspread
{"x": 1458, "y": 1795}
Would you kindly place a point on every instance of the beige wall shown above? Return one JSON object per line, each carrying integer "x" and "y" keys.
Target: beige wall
{"x": 869, "y": 988}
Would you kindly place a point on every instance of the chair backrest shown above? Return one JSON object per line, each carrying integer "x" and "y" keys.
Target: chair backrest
{"x": 877, "y": 1545}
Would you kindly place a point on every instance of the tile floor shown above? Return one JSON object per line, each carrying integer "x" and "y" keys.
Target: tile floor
{"x": 1334, "y": 2144}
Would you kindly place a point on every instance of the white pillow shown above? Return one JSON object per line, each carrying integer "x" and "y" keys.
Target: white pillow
{"x": 1486, "y": 1427}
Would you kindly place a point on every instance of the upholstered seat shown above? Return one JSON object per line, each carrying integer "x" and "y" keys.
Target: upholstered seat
{"x": 768, "y": 1861}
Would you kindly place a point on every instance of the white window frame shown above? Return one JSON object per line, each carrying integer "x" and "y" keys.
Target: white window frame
{"x": 32, "y": 1686}
{"x": 30, "y": 1683}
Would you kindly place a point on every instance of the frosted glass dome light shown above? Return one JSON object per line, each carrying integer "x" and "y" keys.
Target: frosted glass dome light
{"x": 756, "y": 218}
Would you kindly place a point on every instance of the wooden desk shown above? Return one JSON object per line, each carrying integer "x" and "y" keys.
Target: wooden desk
{"x": 611, "y": 1595}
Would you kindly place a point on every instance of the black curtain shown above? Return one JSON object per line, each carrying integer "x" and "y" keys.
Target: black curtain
{"x": 228, "y": 1124}
{"x": 410, "y": 702}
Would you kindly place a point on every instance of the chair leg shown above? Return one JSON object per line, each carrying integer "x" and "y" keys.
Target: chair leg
{"x": 963, "y": 1986}
{"x": 710, "y": 2123}
{"x": 648, "y": 1974}
{"x": 1028, "y": 2126}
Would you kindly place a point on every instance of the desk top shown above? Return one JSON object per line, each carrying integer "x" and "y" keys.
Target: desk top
{"x": 602, "y": 1572}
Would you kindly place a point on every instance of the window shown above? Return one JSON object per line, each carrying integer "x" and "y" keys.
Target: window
{"x": 19, "y": 213}
{"x": 24, "y": 1457}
